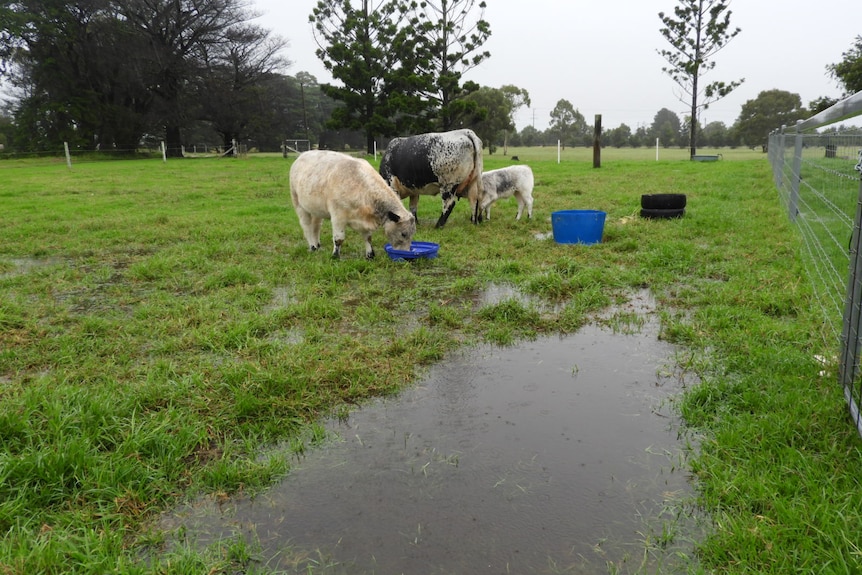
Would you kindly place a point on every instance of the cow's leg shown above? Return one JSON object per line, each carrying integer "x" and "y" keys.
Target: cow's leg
{"x": 449, "y": 199}
{"x": 485, "y": 207}
{"x": 369, "y": 249}
{"x": 414, "y": 205}
{"x": 521, "y": 205}
{"x": 337, "y": 237}
{"x": 528, "y": 201}
{"x": 475, "y": 201}
{"x": 310, "y": 229}
{"x": 316, "y": 224}
{"x": 475, "y": 212}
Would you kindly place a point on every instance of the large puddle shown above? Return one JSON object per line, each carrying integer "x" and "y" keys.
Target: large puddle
{"x": 559, "y": 455}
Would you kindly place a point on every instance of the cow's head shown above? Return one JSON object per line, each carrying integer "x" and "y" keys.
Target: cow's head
{"x": 399, "y": 230}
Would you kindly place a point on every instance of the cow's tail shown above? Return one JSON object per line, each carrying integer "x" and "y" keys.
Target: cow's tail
{"x": 476, "y": 175}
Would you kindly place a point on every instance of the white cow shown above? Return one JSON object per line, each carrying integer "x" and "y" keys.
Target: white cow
{"x": 333, "y": 186}
{"x": 507, "y": 182}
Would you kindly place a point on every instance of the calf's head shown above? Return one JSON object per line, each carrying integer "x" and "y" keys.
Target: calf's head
{"x": 399, "y": 230}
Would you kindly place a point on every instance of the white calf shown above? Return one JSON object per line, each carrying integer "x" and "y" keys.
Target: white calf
{"x": 507, "y": 182}
{"x": 332, "y": 186}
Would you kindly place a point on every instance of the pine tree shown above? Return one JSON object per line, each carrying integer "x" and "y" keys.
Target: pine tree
{"x": 696, "y": 31}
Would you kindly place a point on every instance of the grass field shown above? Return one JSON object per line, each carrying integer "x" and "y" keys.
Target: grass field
{"x": 161, "y": 322}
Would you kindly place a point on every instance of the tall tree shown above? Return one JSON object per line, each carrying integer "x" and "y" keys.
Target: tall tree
{"x": 178, "y": 32}
{"x": 530, "y": 136}
{"x": 311, "y": 107}
{"x": 362, "y": 48}
{"x": 696, "y": 31}
{"x": 235, "y": 74}
{"x": 75, "y": 82}
{"x": 495, "y": 115}
{"x": 819, "y": 104}
{"x": 848, "y": 71}
{"x": 770, "y": 110}
{"x": 517, "y": 97}
{"x": 450, "y": 44}
{"x": 716, "y": 134}
{"x": 666, "y": 126}
{"x": 619, "y": 136}
{"x": 567, "y": 123}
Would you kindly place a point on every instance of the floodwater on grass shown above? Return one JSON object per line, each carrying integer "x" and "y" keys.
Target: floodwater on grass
{"x": 559, "y": 455}
{"x": 496, "y": 293}
{"x": 23, "y": 266}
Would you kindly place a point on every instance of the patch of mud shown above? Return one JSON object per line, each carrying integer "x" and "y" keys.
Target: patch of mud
{"x": 557, "y": 455}
{"x": 109, "y": 294}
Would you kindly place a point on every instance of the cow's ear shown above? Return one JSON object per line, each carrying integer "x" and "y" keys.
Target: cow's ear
{"x": 393, "y": 217}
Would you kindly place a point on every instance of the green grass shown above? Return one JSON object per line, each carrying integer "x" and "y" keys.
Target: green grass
{"x": 160, "y": 323}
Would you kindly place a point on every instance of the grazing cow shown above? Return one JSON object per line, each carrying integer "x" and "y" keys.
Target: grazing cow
{"x": 333, "y": 186}
{"x": 445, "y": 163}
{"x": 507, "y": 182}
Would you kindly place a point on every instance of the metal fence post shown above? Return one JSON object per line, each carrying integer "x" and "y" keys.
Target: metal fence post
{"x": 848, "y": 368}
{"x": 792, "y": 204}
{"x": 778, "y": 158}
{"x": 776, "y": 148}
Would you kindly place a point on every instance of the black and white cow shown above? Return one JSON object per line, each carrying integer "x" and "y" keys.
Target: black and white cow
{"x": 507, "y": 182}
{"x": 348, "y": 191}
{"x": 445, "y": 163}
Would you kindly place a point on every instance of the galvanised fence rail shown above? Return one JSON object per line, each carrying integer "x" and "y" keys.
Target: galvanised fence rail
{"x": 817, "y": 170}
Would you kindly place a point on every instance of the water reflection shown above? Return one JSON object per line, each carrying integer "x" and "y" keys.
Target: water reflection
{"x": 552, "y": 456}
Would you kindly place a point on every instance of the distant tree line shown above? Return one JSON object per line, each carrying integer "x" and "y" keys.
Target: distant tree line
{"x": 758, "y": 117}
{"x": 121, "y": 74}
{"x": 104, "y": 74}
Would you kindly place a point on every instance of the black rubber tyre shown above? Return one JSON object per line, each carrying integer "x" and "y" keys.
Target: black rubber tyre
{"x": 662, "y": 214}
{"x": 663, "y": 201}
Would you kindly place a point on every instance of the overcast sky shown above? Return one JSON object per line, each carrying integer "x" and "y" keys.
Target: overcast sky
{"x": 601, "y": 55}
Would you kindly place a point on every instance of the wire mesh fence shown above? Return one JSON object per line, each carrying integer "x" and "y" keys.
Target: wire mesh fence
{"x": 818, "y": 179}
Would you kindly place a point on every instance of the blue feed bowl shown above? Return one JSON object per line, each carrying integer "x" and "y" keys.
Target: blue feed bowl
{"x": 578, "y": 226}
{"x": 417, "y": 250}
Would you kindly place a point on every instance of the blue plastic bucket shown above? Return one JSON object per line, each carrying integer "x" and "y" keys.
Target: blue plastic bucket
{"x": 417, "y": 250}
{"x": 578, "y": 226}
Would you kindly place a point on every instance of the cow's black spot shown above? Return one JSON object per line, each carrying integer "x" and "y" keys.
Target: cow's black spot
{"x": 409, "y": 160}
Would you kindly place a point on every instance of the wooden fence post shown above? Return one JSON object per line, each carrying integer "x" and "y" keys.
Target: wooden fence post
{"x": 597, "y": 142}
